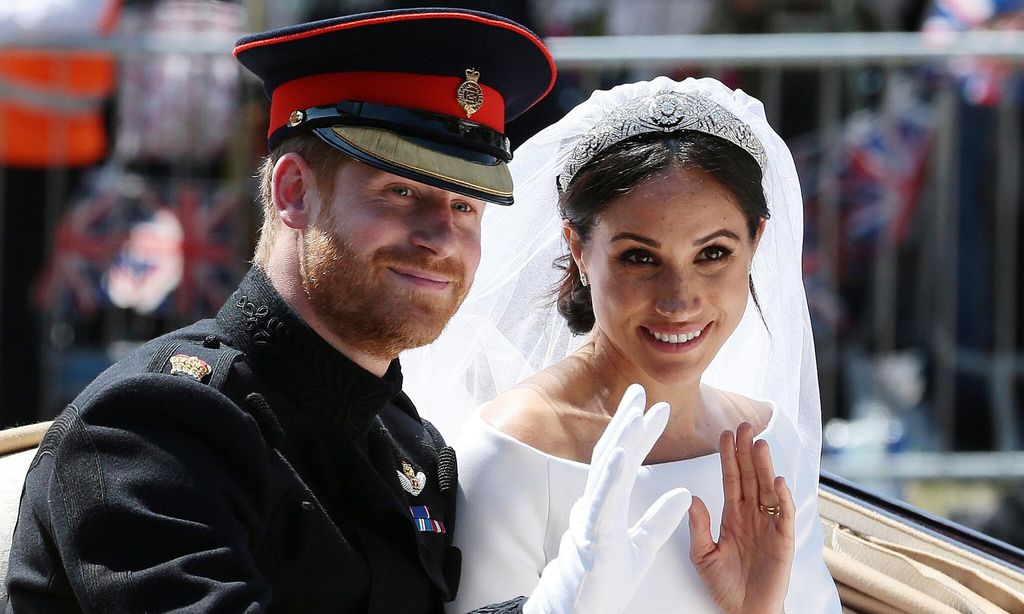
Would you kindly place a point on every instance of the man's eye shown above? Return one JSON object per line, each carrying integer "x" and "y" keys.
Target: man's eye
{"x": 462, "y": 206}
{"x": 402, "y": 190}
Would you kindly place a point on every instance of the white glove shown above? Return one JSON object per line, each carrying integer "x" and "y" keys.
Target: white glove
{"x": 601, "y": 560}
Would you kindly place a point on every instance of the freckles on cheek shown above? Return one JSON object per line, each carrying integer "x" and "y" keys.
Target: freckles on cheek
{"x": 622, "y": 292}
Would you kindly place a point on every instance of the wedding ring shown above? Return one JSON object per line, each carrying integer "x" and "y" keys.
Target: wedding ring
{"x": 771, "y": 511}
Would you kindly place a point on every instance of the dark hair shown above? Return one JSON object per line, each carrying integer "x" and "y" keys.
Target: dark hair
{"x": 616, "y": 171}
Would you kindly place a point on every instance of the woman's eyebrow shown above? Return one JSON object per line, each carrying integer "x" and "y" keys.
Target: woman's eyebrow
{"x": 718, "y": 233}
{"x": 635, "y": 237}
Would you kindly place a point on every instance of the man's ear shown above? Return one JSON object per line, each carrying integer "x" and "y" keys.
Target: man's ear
{"x": 575, "y": 244}
{"x": 293, "y": 189}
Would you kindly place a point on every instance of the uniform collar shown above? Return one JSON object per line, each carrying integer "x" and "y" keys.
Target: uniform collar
{"x": 301, "y": 364}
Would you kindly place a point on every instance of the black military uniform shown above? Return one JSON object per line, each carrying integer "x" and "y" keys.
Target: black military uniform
{"x": 270, "y": 481}
{"x": 243, "y": 464}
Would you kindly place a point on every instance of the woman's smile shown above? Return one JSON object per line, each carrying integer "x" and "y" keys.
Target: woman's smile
{"x": 684, "y": 340}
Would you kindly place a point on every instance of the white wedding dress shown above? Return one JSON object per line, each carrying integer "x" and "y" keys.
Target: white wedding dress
{"x": 510, "y": 525}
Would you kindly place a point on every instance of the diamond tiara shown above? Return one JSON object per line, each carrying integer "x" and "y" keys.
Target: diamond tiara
{"x": 665, "y": 111}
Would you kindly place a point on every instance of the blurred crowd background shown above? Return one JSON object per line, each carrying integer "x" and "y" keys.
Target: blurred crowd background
{"x": 129, "y": 138}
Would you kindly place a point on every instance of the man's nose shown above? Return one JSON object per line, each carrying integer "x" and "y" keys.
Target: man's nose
{"x": 436, "y": 229}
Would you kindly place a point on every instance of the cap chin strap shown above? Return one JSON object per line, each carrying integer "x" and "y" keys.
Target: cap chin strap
{"x": 452, "y": 136}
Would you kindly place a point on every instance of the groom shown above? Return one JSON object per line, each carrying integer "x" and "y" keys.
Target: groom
{"x": 267, "y": 458}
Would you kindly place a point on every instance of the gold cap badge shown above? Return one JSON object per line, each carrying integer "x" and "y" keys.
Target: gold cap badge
{"x": 296, "y": 118}
{"x": 192, "y": 366}
{"x": 469, "y": 94}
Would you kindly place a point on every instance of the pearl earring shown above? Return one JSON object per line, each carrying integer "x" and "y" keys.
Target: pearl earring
{"x": 583, "y": 279}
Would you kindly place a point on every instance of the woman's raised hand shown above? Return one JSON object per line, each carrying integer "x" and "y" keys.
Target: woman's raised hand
{"x": 601, "y": 558}
{"x": 748, "y": 569}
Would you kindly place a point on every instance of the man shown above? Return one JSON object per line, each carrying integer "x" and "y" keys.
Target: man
{"x": 267, "y": 458}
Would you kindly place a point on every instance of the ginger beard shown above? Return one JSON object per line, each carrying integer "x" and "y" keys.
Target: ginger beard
{"x": 360, "y": 301}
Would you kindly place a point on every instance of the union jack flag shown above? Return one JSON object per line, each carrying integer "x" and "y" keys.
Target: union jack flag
{"x": 87, "y": 237}
{"x": 114, "y": 242}
{"x": 212, "y": 265}
{"x": 876, "y": 177}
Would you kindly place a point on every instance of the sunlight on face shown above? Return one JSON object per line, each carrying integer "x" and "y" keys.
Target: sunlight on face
{"x": 390, "y": 260}
{"x": 668, "y": 269}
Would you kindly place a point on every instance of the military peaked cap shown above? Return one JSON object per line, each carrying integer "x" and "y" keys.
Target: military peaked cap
{"x": 421, "y": 93}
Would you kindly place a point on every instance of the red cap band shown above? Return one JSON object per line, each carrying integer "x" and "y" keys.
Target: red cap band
{"x": 421, "y": 92}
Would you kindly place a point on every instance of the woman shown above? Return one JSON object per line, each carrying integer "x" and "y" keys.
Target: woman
{"x": 663, "y": 192}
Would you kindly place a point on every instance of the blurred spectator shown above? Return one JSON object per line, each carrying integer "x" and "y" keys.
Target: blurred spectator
{"x": 982, "y": 82}
{"x": 177, "y": 107}
{"x": 51, "y": 101}
{"x": 51, "y": 126}
{"x": 984, "y": 85}
{"x": 152, "y": 237}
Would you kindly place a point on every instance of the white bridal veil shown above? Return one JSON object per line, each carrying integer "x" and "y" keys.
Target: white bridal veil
{"x": 509, "y": 328}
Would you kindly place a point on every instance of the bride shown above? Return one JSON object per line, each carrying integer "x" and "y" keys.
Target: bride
{"x": 673, "y": 212}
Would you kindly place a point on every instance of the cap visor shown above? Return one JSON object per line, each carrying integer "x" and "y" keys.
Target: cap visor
{"x": 490, "y": 182}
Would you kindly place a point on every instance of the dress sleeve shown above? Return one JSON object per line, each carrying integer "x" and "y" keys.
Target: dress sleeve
{"x": 145, "y": 501}
{"x": 502, "y": 517}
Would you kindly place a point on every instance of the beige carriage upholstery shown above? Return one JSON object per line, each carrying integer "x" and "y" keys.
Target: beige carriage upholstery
{"x": 17, "y": 449}
{"x": 880, "y": 564}
{"x": 883, "y": 565}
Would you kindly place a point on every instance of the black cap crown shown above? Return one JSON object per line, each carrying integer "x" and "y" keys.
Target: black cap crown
{"x": 421, "y": 93}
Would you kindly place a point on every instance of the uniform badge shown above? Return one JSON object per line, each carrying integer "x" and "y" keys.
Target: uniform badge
{"x": 469, "y": 94}
{"x": 192, "y": 366}
{"x": 412, "y": 482}
{"x": 425, "y": 524}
